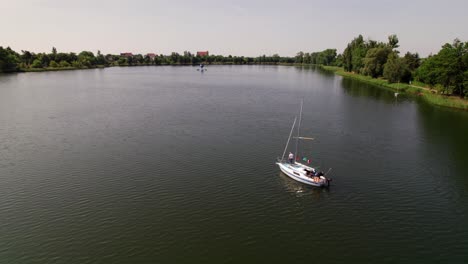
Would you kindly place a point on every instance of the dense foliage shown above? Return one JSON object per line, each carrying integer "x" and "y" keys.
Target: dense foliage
{"x": 447, "y": 70}
{"x": 11, "y": 61}
{"x": 326, "y": 57}
{"x": 368, "y": 57}
{"x": 8, "y": 60}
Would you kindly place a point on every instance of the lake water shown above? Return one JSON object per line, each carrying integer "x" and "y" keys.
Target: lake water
{"x": 170, "y": 165}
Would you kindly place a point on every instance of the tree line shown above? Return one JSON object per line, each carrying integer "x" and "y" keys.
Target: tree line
{"x": 327, "y": 57}
{"x": 447, "y": 70}
{"x": 12, "y": 61}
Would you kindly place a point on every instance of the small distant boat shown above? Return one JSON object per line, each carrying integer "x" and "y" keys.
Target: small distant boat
{"x": 202, "y": 68}
{"x": 298, "y": 171}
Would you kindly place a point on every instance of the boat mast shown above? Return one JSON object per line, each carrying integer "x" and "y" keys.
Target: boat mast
{"x": 298, "y": 130}
{"x": 290, "y": 134}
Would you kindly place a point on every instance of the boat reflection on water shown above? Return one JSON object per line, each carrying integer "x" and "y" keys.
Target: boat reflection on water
{"x": 300, "y": 189}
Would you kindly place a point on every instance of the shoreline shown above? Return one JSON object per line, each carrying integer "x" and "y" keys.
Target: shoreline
{"x": 71, "y": 68}
{"x": 427, "y": 94}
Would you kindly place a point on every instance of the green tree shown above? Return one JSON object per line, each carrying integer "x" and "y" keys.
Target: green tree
{"x": 86, "y": 59}
{"x": 26, "y": 57}
{"x": 64, "y": 64}
{"x": 53, "y": 55}
{"x": 339, "y": 60}
{"x": 36, "y": 64}
{"x": 447, "y": 68}
{"x": 138, "y": 59}
{"x": 72, "y": 57}
{"x": 327, "y": 56}
{"x": 59, "y": 57}
{"x": 53, "y": 64}
{"x": 396, "y": 70}
{"x": 147, "y": 60}
{"x": 276, "y": 58}
{"x": 307, "y": 58}
{"x": 174, "y": 58}
{"x": 354, "y": 54}
{"x": 44, "y": 58}
{"x": 9, "y": 60}
{"x": 348, "y": 58}
{"x": 412, "y": 60}
{"x": 393, "y": 41}
{"x": 427, "y": 72}
{"x": 375, "y": 60}
{"x": 122, "y": 61}
{"x": 100, "y": 59}
{"x": 299, "y": 57}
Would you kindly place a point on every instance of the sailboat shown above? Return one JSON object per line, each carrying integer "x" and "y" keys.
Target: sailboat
{"x": 202, "y": 68}
{"x": 298, "y": 171}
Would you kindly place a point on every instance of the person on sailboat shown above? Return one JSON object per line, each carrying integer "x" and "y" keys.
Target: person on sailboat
{"x": 291, "y": 158}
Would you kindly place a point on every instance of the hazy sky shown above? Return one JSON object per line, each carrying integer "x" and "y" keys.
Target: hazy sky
{"x": 240, "y": 27}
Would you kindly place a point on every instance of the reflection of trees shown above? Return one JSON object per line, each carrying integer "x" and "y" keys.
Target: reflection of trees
{"x": 315, "y": 68}
{"x": 326, "y": 73}
{"x": 361, "y": 89}
{"x": 311, "y": 68}
{"x": 445, "y": 131}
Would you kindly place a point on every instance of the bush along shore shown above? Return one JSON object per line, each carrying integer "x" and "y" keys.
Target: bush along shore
{"x": 441, "y": 79}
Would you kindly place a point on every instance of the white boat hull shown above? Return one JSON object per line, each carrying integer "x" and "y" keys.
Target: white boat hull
{"x": 297, "y": 172}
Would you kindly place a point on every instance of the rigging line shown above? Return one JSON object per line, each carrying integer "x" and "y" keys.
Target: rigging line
{"x": 298, "y": 129}
{"x": 290, "y": 134}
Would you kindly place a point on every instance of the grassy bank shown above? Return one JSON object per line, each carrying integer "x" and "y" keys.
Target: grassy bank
{"x": 426, "y": 93}
{"x": 48, "y": 69}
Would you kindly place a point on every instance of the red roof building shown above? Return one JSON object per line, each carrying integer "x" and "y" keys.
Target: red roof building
{"x": 151, "y": 55}
{"x": 202, "y": 53}
{"x": 126, "y": 54}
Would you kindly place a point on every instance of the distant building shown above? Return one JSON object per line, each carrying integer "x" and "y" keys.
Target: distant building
{"x": 126, "y": 54}
{"x": 202, "y": 53}
{"x": 151, "y": 55}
